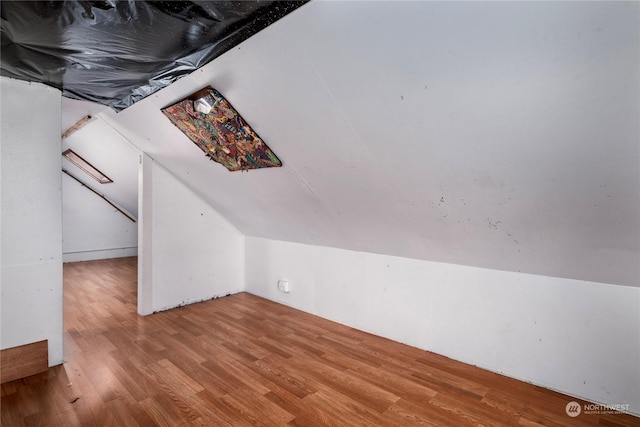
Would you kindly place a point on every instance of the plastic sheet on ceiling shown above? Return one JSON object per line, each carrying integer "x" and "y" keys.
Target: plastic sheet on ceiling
{"x": 118, "y": 52}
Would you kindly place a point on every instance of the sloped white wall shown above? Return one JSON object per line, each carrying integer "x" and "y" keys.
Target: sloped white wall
{"x": 188, "y": 251}
{"x": 93, "y": 229}
{"x": 580, "y": 338}
{"x": 501, "y": 135}
{"x": 31, "y": 206}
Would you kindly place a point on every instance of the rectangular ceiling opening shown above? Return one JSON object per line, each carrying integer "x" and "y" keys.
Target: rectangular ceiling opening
{"x": 86, "y": 167}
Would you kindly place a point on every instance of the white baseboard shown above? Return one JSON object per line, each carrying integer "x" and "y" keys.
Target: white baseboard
{"x": 99, "y": 254}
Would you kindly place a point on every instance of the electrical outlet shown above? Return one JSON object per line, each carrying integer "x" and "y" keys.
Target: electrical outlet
{"x": 283, "y": 286}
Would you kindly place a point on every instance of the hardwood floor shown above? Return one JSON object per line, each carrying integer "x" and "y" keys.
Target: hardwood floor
{"x": 245, "y": 361}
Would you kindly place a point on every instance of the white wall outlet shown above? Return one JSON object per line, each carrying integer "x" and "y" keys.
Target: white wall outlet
{"x": 283, "y": 286}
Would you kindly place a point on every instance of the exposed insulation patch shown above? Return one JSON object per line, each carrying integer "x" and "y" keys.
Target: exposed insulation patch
{"x": 211, "y": 122}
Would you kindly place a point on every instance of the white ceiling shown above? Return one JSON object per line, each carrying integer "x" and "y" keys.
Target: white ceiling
{"x": 495, "y": 134}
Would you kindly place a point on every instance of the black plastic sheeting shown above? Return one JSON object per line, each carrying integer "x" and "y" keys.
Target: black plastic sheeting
{"x": 118, "y": 52}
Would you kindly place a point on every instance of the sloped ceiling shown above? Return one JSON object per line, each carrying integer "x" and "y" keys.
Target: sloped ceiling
{"x": 494, "y": 134}
{"x": 111, "y": 154}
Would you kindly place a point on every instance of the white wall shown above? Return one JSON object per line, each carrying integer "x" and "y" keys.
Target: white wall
{"x": 580, "y": 338}
{"x": 91, "y": 228}
{"x": 188, "y": 252}
{"x": 31, "y": 257}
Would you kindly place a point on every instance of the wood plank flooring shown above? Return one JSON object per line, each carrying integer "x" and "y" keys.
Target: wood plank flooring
{"x": 245, "y": 361}
{"x": 24, "y": 360}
